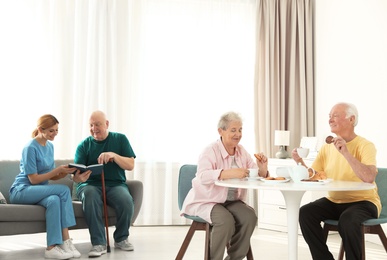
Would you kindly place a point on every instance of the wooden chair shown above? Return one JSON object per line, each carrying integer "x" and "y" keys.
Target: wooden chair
{"x": 186, "y": 174}
{"x": 370, "y": 226}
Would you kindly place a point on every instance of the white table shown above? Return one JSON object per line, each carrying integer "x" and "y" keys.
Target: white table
{"x": 293, "y": 193}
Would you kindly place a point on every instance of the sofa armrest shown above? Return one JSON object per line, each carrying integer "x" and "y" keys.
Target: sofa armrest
{"x": 136, "y": 189}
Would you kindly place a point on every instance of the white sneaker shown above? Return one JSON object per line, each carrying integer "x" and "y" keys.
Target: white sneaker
{"x": 97, "y": 250}
{"x": 124, "y": 245}
{"x": 57, "y": 253}
{"x": 68, "y": 246}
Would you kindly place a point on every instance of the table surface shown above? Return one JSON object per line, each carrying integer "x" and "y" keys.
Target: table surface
{"x": 292, "y": 186}
{"x": 293, "y": 192}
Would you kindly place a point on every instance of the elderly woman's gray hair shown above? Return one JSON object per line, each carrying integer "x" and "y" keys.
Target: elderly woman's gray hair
{"x": 227, "y": 118}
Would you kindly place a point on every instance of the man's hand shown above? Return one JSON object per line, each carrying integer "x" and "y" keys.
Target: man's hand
{"x": 340, "y": 144}
{"x": 81, "y": 177}
{"x": 106, "y": 157}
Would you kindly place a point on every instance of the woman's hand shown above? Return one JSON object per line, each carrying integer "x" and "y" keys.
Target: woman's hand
{"x": 262, "y": 162}
{"x": 234, "y": 173}
{"x": 261, "y": 159}
{"x": 61, "y": 172}
{"x": 59, "y": 176}
{"x": 56, "y": 174}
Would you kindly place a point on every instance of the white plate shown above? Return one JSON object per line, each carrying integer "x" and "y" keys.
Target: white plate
{"x": 274, "y": 181}
{"x": 254, "y": 178}
{"x": 319, "y": 182}
{"x": 326, "y": 180}
{"x": 312, "y": 182}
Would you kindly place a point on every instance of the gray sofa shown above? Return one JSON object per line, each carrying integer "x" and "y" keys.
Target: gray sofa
{"x": 27, "y": 219}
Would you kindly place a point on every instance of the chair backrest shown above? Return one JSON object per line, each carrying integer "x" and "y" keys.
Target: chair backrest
{"x": 381, "y": 182}
{"x": 186, "y": 174}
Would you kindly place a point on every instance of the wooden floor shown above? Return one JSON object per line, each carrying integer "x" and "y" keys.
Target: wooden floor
{"x": 163, "y": 243}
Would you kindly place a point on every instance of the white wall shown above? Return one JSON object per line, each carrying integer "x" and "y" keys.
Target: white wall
{"x": 351, "y": 65}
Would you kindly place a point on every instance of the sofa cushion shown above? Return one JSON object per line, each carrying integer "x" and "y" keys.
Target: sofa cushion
{"x": 21, "y": 213}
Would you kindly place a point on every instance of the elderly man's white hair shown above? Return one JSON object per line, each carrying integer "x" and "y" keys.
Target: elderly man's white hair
{"x": 351, "y": 111}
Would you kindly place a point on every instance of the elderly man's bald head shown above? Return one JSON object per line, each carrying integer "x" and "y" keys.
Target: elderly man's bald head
{"x": 99, "y": 125}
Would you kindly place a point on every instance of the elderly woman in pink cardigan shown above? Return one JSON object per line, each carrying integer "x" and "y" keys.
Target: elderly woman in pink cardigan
{"x": 232, "y": 220}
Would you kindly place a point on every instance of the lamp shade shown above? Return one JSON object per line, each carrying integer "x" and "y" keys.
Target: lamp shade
{"x": 281, "y": 137}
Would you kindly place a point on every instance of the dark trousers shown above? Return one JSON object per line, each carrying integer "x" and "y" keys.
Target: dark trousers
{"x": 350, "y": 217}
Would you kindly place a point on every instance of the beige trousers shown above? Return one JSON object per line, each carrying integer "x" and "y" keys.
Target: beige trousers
{"x": 232, "y": 222}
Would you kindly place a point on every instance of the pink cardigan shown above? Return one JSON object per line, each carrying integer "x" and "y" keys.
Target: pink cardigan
{"x": 204, "y": 193}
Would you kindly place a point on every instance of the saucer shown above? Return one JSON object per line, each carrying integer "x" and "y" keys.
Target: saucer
{"x": 317, "y": 182}
{"x": 274, "y": 181}
{"x": 254, "y": 178}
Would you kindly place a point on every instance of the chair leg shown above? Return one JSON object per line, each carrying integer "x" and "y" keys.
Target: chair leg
{"x": 341, "y": 252}
{"x": 377, "y": 230}
{"x": 207, "y": 241}
{"x": 194, "y": 226}
{"x": 207, "y": 228}
{"x": 363, "y": 232}
{"x": 249, "y": 255}
{"x": 326, "y": 229}
{"x": 382, "y": 236}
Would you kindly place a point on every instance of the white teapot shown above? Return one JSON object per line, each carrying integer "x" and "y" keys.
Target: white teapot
{"x": 298, "y": 173}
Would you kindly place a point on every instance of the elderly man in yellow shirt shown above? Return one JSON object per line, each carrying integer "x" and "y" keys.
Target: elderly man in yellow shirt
{"x": 348, "y": 157}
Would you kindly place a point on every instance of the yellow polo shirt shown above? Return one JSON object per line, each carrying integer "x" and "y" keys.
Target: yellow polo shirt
{"x": 330, "y": 161}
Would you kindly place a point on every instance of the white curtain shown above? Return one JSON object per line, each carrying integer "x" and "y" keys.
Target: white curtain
{"x": 284, "y": 75}
{"x": 163, "y": 71}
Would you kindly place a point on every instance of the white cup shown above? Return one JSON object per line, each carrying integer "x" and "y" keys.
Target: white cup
{"x": 253, "y": 173}
{"x": 298, "y": 173}
{"x": 303, "y": 152}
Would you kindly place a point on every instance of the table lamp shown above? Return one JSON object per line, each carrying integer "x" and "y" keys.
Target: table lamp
{"x": 281, "y": 139}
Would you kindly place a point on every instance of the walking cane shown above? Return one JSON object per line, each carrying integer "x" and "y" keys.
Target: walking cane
{"x": 105, "y": 212}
